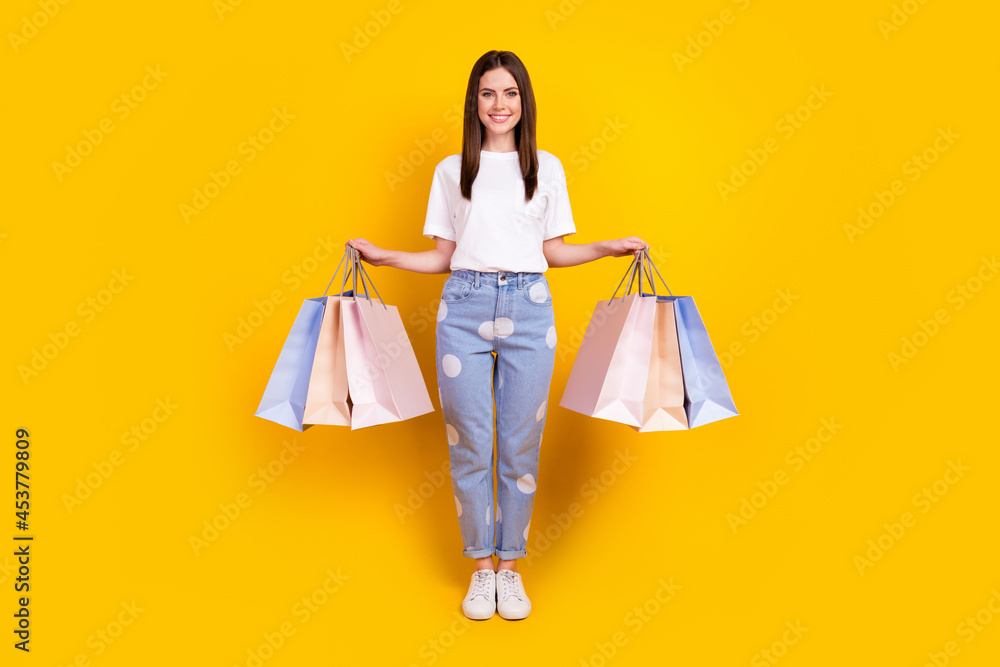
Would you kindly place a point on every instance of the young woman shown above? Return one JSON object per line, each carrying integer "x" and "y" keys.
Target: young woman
{"x": 497, "y": 213}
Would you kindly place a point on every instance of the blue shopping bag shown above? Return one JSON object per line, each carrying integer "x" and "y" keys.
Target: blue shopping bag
{"x": 706, "y": 393}
{"x": 284, "y": 399}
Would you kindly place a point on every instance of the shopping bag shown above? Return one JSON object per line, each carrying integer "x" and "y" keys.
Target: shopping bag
{"x": 663, "y": 402}
{"x": 682, "y": 386}
{"x": 284, "y": 397}
{"x": 371, "y": 397}
{"x": 327, "y": 400}
{"x": 346, "y": 361}
{"x": 380, "y": 373}
{"x": 609, "y": 375}
{"x": 707, "y": 395}
{"x": 391, "y": 348}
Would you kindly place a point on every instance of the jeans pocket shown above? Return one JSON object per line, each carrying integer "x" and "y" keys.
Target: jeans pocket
{"x": 456, "y": 290}
{"x": 537, "y": 293}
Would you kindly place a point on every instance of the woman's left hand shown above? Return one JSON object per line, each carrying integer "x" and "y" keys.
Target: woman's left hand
{"x": 626, "y": 246}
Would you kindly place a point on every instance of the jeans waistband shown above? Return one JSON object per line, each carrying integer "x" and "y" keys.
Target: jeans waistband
{"x": 519, "y": 278}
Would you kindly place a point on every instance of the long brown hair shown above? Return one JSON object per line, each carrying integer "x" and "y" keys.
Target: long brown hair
{"x": 524, "y": 131}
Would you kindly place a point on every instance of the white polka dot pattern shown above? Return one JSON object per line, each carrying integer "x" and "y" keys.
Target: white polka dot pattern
{"x": 451, "y": 365}
{"x": 526, "y": 483}
{"x": 504, "y": 327}
{"x": 486, "y": 329}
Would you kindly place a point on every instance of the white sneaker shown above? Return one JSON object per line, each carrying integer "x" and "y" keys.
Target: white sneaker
{"x": 512, "y": 602}
{"x": 480, "y": 602}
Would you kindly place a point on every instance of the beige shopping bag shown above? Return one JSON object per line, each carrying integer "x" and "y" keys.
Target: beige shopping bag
{"x": 663, "y": 403}
{"x": 327, "y": 401}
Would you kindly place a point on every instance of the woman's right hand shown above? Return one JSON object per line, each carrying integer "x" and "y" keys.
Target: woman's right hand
{"x": 370, "y": 252}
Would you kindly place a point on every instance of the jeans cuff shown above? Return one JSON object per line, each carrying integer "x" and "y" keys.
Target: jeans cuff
{"x": 478, "y": 553}
{"x": 511, "y": 555}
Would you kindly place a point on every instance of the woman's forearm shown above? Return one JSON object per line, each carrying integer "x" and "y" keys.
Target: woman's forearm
{"x": 570, "y": 254}
{"x": 428, "y": 261}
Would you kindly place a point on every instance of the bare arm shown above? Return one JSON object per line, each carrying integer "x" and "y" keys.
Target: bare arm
{"x": 437, "y": 260}
{"x": 559, "y": 253}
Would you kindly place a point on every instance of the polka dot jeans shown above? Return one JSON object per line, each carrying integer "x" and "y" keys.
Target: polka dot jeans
{"x": 496, "y": 340}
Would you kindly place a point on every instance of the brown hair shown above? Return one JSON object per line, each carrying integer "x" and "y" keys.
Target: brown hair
{"x": 524, "y": 131}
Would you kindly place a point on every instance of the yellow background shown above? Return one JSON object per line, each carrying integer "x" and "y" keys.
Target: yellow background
{"x": 335, "y": 506}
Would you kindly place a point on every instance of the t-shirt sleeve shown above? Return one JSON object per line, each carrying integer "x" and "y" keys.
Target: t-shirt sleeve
{"x": 439, "y": 209}
{"x": 558, "y": 216}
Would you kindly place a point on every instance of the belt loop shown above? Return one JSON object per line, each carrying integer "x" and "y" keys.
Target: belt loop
{"x": 520, "y": 279}
{"x": 477, "y": 279}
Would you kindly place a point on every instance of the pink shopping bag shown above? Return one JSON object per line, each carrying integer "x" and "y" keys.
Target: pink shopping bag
{"x": 395, "y": 355}
{"x": 609, "y": 375}
{"x": 384, "y": 381}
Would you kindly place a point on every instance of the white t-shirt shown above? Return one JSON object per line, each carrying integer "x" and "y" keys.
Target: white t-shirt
{"x": 498, "y": 230}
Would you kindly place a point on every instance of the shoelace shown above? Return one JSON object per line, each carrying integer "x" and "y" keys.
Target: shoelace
{"x": 482, "y": 586}
{"x": 508, "y": 579}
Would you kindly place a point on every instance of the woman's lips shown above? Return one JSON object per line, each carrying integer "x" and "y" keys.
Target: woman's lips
{"x": 499, "y": 118}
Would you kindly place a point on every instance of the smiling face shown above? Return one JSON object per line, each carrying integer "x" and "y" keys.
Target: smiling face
{"x": 499, "y": 109}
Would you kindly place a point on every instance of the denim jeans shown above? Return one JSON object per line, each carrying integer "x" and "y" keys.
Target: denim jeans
{"x": 496, "y": 340}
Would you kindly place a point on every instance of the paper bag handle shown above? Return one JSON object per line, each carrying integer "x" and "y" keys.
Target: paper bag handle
{"x": 357, "y": 270}
{"x": 641, "y": 264}
{"x": 648, "y": 263}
